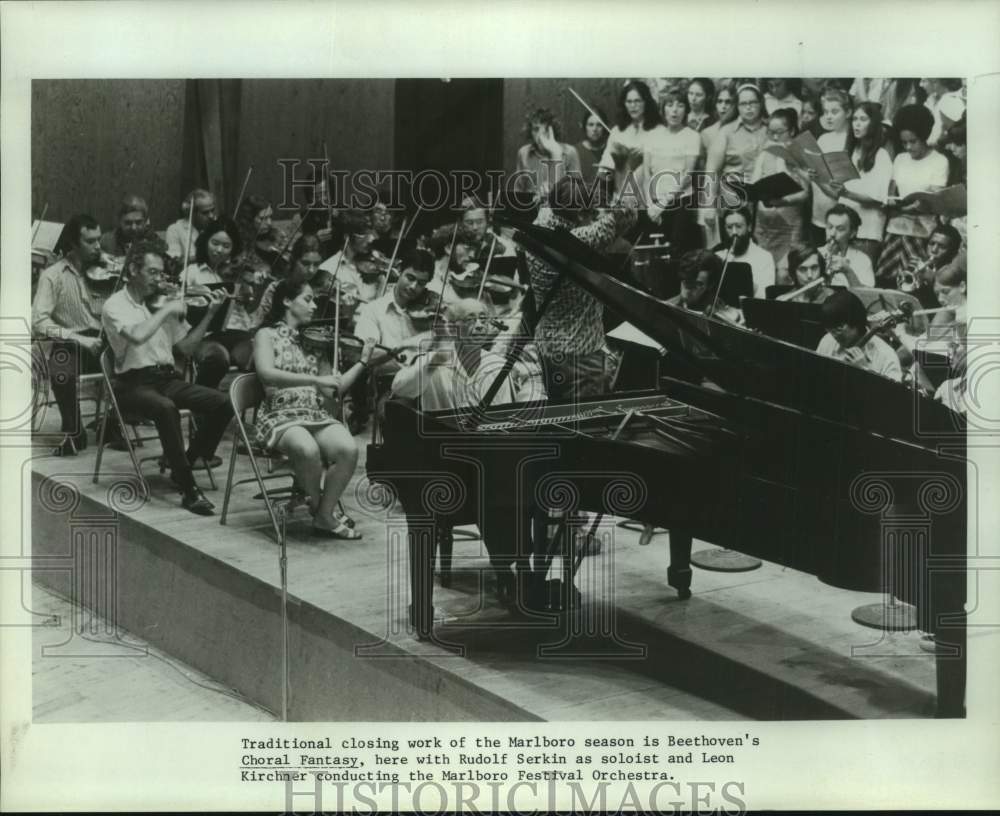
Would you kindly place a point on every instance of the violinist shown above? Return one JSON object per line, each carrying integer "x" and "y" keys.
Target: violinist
{"x": 384, "y": 228}
{"x": 133, "y": 224}
{"x": 700, "y": 272}
{"x": 262, "y": 241}
{"x": 148, "y": 385}
{"x": 739, "y": 245}
{"x": 303, "y": 266}
{"x": 217, "y": 244}
{"x": 388, "y": 320}
{"x": 359, "y": 236}
{"x": 67, "y": 309}
{"x": 178, "y": 236}
{"x": 848, "y": 337}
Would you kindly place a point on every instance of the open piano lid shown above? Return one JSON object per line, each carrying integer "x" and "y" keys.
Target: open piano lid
{"x": 745, "y": 363}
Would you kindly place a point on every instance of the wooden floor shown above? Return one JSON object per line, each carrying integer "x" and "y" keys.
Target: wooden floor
{"x": 117, "y": 677}
{"x": 769, "y": 644}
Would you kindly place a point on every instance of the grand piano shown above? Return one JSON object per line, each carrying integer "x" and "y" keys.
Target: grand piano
{"x": 749, "y": 443}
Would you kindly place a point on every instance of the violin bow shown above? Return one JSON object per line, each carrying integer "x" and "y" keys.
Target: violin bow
{"x": 243, "y": 190}
{"x": 416, "y": 215}
{"x": 187, "y": 249}
{"x": 336, "y": 327}
{"x": 392, "y": 260}
{"x": 444, "y": 283}
{"x": 589, "y": 109}
{"x": 336, "y": 278}
{"x": 722, "y": 278}
{"x": 489, "y": 260}
{"x": 326, "y": 182}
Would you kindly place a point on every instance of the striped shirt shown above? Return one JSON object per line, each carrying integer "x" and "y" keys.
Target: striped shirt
{"x": 63, "y": 303}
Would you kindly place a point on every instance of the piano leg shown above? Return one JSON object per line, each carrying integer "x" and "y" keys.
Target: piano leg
{"x": 679, "y": 571}
{"x": 445, "y": 546}
{"x": 421, "y": 538}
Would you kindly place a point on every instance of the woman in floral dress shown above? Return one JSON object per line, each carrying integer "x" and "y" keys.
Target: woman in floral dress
{"x": 294, "y": 419}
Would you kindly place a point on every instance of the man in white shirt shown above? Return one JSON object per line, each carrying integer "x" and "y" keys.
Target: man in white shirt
{"x": 148, "y": 385}
{"x": 178, "y": 235}
{"x": 358, "y": 240}
{"x": 848, "y": 266}
{"x": 736, "y": 226}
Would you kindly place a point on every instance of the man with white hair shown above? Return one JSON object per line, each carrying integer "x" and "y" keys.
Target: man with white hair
{"x": 458, "y": 370}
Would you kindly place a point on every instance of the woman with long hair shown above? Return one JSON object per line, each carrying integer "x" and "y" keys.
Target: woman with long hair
{"x": 917, "y": 168}
{"x": 835, "y": 122}
{"x": 294, "y": 418}
{"x": 867, "y": 194}
{"x": 637, "y": 116}
{"x": 591, "y": 147}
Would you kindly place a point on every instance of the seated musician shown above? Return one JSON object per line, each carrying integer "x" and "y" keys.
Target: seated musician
{"x": 387, "y": 320}
{"x": 570, "y": 334}
{"x": 359, "y": 236}
{"x": 178, "y": 236}
{"x": 148, "y": 385}
{"x": 217, "y": 244}
{"x": 294, "y": 419}
{"x": 458, "y": 369}
{"x": 700, "y": 272}
{"x": 66, "y": 309}
{"x": 384, "y": 228}
{"x": 918, "y": 280}
{"x": 739, "y": 245}
{"x": 303, "y": 267}
{"x": 806, "y": 265}
{"x": 457, "y": 372}
{"x": 261, "y": 240}
{"x": 846, "y": 322}
{"x": 950, "y": 288}
{"x": 133, "y": 224}
{"x": 847, "y": 265}
{"x": 475, "y": 231}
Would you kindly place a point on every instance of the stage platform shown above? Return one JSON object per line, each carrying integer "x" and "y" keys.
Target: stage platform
{"x": 770, "y": 644}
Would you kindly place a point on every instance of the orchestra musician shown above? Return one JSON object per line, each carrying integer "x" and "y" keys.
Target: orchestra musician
{"x": 807, "y": 264}
{"x": 386, "y": 320}
{"x": 848, "y": 338}
{"x": 148, "y": 384}
{"x": 294, "y": 420}
{"x": 303, "y": 266}
{"x": 343, "y": 263}
{"x": 217, "y": 244}
{"x": 739, "y": 245}
{"x": 262, "y": 241}
{"x": 950, "y": 288}
{"x": 918, "y": 280}
{"x": 66, "y": 309}
{"x": 178, "y": 237}
{"x": 133, "y": 224}
{"x": 570, "y": 334}
{"x": 700, "y": 273}
{"x": 847, "y": 265}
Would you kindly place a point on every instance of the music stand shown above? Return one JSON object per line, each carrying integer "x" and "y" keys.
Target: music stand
{"x": 798, "y": 323}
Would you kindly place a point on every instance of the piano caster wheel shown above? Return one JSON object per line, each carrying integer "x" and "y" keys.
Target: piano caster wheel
{"x": 683, "y": 594}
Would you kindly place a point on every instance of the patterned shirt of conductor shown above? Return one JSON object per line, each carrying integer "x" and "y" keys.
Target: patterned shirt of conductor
{"x": 144, "y": 343}
{"x": 570, "y": 334}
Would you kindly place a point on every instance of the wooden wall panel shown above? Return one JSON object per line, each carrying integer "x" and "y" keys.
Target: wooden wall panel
{"x": 93, "y": 140}
{"x": 291, "y": 118}
{"x": 524, "y": 95}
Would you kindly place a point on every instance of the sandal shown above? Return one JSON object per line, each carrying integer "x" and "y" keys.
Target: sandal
{"x": 341, "y": 531}
{"x": 343, "y": 518}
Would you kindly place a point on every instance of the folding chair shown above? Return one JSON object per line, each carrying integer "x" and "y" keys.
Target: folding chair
{"x": 41, "y": 380}
{"x": 125, "y": 423}
{"x": 245, "y": 394}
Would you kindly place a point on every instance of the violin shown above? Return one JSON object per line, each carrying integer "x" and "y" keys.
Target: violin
{"x": 423, "y": 311}
{"x": 103, "y": 277}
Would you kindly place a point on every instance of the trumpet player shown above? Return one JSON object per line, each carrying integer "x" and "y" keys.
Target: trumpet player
{"x": 918, "y": 278}
{"x": 846, "y": 265}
